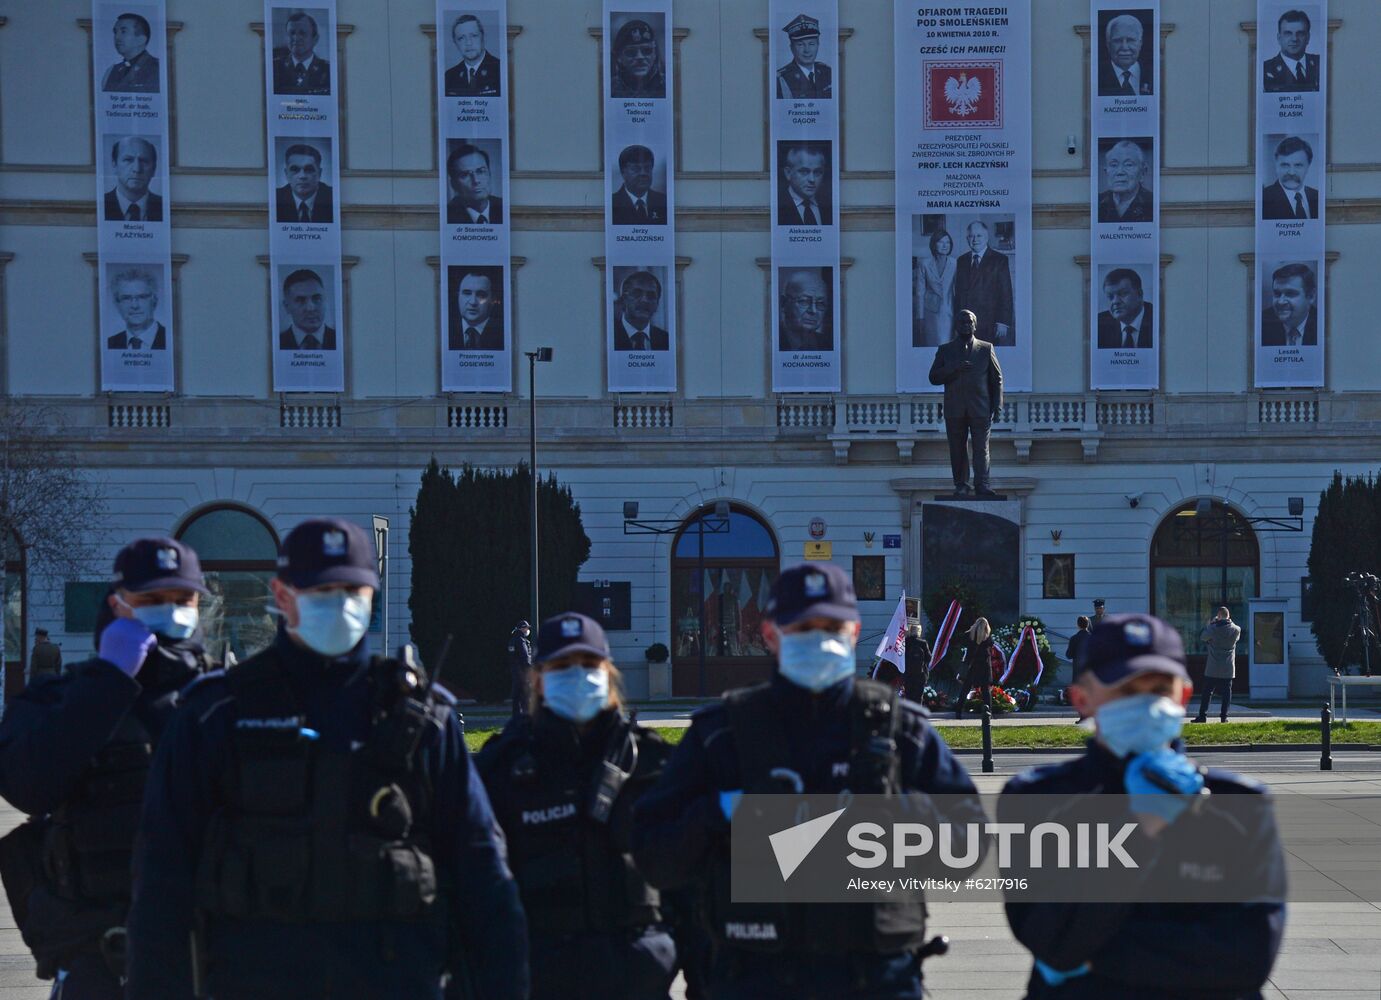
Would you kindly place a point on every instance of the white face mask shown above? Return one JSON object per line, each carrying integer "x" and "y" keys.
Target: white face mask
{"x": 817, "y": 659}
{"x": 332, "y": 623}
{"x": 172, "y": 621}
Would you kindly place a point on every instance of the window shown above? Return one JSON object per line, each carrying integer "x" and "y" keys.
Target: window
{"x": 239, "y": 555}
{"x": 740, "y": 564}
{"x": 1194, "y": 558}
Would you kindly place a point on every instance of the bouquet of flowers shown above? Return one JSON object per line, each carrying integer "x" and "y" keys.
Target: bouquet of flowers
{"x": 1002, "y": 701}
{"x": 934, "y": 700}
{"x": 1025, "y": 698}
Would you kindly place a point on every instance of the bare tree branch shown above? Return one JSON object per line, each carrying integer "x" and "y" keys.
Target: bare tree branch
{"x": 48, "y": 506}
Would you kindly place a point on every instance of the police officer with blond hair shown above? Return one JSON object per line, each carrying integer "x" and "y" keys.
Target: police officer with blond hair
{"x": 563, "y": 782}
{"x": 313, "y": 826}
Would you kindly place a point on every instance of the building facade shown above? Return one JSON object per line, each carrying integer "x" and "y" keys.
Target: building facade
{"x": 1113, "y": 479}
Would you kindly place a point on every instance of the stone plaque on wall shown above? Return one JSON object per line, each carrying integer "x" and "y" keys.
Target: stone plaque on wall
{"x": 978, "y": 549}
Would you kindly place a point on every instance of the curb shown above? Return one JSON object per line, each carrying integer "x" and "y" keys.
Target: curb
{"x": 1191, "y": 748}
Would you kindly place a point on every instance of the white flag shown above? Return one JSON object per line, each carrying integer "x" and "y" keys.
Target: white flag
{"x": 892, "y": 646}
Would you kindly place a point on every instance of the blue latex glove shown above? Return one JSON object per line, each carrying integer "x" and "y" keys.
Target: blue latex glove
{"x": 1054, "y": 977}
{"x": 126, "y": 643}
{"x": 1162, "y": 782}
{"x": 728, "y": 802}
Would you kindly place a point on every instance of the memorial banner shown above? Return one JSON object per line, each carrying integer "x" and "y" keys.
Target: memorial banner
{"x": 304, "y": 184}
{"x": 1124, "y": 200}
{"x": 472, "y": 105}
{"x": 639, "y": 212}
{"x": 804, "y": 146}
{"x": 963, "y": 140}
{"x": 133, "y": 232}
{"x": 1292, "y": 153}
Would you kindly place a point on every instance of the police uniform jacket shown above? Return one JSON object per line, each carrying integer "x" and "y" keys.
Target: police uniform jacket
{"x": 678, "y": 826}
{"x": 77, "y": 745}
{"x": 1140, "y": 950}
{"x": 595, "y": 925}
{"x": 363, "y": 960}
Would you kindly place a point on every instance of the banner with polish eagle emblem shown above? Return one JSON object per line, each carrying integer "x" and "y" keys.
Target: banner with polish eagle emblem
{"x": 963, "y": 129}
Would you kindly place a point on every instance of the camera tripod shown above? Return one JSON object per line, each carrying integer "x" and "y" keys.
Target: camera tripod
{"x": 1361, "y": 630}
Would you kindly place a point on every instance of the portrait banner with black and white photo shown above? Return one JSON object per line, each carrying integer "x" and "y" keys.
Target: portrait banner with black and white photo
{"x": 639, "y": 196}
{"x": 804, "y": 146}
{"x": 472, "y": 105}
{"x": 963, "y": 167}
{"x": 304, "y": 197}
{"x": 133, "y": 228}
{"x": 1124, "y": 200}
{"x": 1291, "y": 191}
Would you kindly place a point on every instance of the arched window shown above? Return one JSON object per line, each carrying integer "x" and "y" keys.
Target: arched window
{"x": 15, "y": 610}
{"x": 1196, "y": 556}
{"x": 239, "y": 555}
{"x": 734, "y": 573}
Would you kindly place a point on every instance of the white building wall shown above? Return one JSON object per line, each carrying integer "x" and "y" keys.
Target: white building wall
{"x": 225, "y": 443}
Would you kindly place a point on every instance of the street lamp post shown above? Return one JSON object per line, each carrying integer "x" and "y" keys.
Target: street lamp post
{"x": 541, "y": 354}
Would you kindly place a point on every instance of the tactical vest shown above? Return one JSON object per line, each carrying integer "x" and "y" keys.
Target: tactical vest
{"x": 311, "y": 834}
{"x": 572, "y": 876}
{"x": 874, "y": 763}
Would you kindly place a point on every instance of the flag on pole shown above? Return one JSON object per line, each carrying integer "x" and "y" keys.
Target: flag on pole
{"x": 942, "y": 638}
{"x": 892, "y": 646}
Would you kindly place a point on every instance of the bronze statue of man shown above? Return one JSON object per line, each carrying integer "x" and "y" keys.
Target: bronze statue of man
{"x": 967, "y": 367}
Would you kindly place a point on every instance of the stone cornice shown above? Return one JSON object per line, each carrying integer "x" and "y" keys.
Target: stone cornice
{"x": 730, "y": 218}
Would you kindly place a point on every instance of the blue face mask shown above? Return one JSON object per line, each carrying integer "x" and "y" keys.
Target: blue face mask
{"x": 332, "y": 623}
{"x": 815, "y": 660}
{"x": 575, "y": 693}
{"x": 172, "y": 621}
{"x": 1139, "y": 723}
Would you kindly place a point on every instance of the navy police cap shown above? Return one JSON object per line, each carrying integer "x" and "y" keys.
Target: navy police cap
{"x": 158, "y": 564}
{"x": 328, "y": 550}
{"x": 568, "y": 634}
{"x": 1122, "y": 646}
{"x": 811, "y": 589}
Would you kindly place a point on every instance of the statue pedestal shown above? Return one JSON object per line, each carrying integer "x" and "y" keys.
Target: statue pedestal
{"x": 976, "y": 543}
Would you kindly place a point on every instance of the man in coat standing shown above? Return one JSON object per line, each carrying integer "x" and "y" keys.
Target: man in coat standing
{"x": 967, "y": 367}
{"x": 1220, "y": 635}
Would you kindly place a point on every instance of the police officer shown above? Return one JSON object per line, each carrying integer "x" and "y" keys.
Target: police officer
{"x": 563, "y": 782}
{"x": 314, "y": 820}
{"x": 816, "y": 728}
{"x": 74, "y": 754}
{"x": 1135, "y": 687}
{"x": 520, "y": 666}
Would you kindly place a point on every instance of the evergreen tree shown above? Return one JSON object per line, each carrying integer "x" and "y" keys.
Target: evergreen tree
{"x": 1346, "y": 539}
{"x": 470, "y": 567}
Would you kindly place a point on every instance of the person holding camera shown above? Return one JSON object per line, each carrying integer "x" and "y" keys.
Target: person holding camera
{"x": 1220, "y": 636}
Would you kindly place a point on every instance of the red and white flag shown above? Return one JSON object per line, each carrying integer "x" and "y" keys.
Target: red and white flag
{"x": 892, "y": 646}
{"x": 947, "y": 627}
